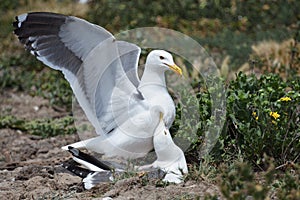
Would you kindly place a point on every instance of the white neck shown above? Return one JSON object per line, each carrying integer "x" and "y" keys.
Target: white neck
{"x": 153, "y": 76}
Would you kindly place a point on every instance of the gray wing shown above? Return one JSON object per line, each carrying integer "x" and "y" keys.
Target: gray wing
{"x": 130, "y": 54}
{"x": 91, "y": 59}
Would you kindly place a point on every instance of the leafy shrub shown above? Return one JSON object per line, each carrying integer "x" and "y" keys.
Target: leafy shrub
{"x": 263, "y": 118}
{"x": 194, "y": 115}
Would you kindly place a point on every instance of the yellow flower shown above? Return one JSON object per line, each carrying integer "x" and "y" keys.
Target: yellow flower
{"x": 275, "y": 115}
{"x": 285, "y": 99}
{"x": 255, "y": 115}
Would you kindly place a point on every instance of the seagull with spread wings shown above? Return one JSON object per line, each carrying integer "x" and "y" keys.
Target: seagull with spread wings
{"x": 131, "y": 116}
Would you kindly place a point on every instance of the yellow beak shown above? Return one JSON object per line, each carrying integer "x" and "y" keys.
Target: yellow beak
{"x": 176, "y": 69}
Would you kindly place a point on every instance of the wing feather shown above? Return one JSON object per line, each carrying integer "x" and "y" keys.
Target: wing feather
{"x": 100, "y": 70}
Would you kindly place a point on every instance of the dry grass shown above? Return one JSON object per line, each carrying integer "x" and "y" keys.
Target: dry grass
{"x": 268, "y": 57}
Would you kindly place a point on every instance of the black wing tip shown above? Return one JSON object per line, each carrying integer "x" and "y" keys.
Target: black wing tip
{"x": 39, "y": 18}
{"x": 36, "y": 25}
{"x": 40, "y": 14}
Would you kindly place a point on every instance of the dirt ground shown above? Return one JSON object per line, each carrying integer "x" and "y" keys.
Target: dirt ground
{"x": 30, "y": 165}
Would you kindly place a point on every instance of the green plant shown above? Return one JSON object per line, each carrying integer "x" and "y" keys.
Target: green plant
{"x": 263, "y": 118}
{"x": 41, "y": 127}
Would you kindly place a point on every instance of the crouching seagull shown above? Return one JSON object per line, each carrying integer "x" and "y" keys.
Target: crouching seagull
{"x": 131, "y": 116}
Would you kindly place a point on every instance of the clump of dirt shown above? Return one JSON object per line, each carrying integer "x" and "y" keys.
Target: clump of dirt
{"x": 30, "y": 166}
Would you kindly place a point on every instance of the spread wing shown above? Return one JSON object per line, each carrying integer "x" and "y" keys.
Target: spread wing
{"x": 101, "y": 71}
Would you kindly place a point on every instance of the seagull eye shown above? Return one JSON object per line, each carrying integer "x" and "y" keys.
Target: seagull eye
{"x": 161, "y": 57}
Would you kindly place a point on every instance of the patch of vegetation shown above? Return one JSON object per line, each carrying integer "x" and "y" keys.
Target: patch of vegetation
{"x": 263, "y": 118}
{"x": 226, "y": 27}
{"x": 237, "y": 15}
{"x": 41, "y": 127}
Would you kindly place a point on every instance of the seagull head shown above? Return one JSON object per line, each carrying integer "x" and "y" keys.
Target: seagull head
{"x": 162, "y": 60}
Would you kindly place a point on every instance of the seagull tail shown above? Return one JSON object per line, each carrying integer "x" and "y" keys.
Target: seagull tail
{"x": 93, "y": 171}
{"x": 88, "y": 161}
{"x": 89, "y": 178}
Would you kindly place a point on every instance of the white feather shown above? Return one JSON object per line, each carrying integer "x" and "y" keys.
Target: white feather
{"x": 21, "y": 19}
